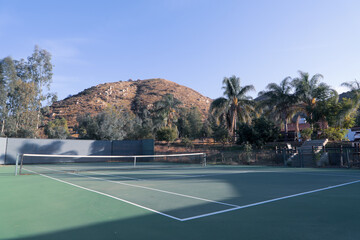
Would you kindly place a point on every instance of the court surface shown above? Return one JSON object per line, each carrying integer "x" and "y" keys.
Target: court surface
{"x": 213, "y": 202}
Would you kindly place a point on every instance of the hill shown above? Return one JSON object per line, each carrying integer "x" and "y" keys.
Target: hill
{"x": 129, "y": 95}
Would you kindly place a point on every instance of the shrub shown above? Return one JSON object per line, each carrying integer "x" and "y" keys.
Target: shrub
{"x": 259, "y": 133}
{"x": 187, "y": 142}
{"x": 306, "y": 133}
{"x": 335, "y": 134}
{"x": 221, "y": 134}
{"x": 166, "y": 134}
{"x": 57, "y": 128}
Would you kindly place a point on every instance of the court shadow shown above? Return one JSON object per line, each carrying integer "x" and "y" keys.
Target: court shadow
{"x": 149, "y": 226}
{"x": 280, "y": 220}
{"x": 33, "y": 148}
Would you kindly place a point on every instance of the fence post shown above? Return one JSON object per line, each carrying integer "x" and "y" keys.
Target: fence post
{"x": 341, "y": 156}
{"x": 284, "y": 156}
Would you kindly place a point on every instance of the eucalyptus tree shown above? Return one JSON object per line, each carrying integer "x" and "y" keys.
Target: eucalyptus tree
{"x": 3, "y": 95}
{"x": 21, "y": 121}
{"x": 234, "y": 106}
{"x": 279, "y": 101}
{"x": 38, "y": 70}
{"x": 17, "y": 103}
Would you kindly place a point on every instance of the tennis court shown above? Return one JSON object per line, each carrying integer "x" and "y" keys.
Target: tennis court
{"x": 194, "y": 202}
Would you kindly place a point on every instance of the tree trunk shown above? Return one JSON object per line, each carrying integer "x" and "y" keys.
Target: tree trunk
{"x": 2, "y": 127}
{"x": 233, "y": 130}
{"x": 286, "y": 130}
{"x": 297, "y": 128}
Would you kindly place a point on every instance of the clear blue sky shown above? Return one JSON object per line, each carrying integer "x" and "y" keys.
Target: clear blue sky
{"x": 195, "y": 43}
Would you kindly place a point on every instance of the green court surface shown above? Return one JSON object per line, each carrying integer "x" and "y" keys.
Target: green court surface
{"x": 213, "y": 202}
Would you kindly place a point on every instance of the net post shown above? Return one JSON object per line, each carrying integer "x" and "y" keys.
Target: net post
{"x": 204, "y": 160}
{"x": 17, "y": 164}
{"x": 21, "y": 163}
{"x": 134, "y": 161}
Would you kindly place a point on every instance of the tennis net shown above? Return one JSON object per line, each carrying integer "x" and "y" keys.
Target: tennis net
{"x": 50, "y": 163}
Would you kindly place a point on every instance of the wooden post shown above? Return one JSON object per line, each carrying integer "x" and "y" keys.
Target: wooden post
{"x": 341, "y": 156}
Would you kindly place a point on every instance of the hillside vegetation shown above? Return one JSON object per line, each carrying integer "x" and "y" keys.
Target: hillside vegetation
{"x": 129, "y": 95}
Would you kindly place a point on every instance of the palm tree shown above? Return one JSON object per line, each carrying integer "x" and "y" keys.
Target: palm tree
{"x": 354, "y": 87}
{"x": 235, "y": 105}
{"x": 166, "y": 110}
{"x": 308, "y": 91}
{"x": 279, "y": 101}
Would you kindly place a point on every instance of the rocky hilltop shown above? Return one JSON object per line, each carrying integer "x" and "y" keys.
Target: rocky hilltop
{"x": 127, "y": 94}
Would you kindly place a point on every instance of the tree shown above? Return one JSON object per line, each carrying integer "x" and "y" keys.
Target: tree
{"x": 189, "y": 123}
{"x": 354, "y": 87}
{"x": 39, "y": 71}
{"x": 308, "y": 91}
{"x": 111, "y": 124}
{"x": 338, "y": 114}
{"x": 165, "y": 111}
{"x": 206, "y": 130}
{"x": 22, "y": 86}
{"x": 335, "y": 134}
{"x": 279, "y": 101}
{"x": 167, "y": 134}
{"x": 22, "y": 109}
{"x": 235, "y": 106}
{"x": 260, "y": 132}
{"x": 57, "y": 128}
{"x": 220, "y": 133}
{"x": 141, "y": 129}
{"x": 7, "y": 74}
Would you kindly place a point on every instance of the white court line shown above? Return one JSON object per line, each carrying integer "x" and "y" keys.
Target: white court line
{"x": 208, "y": 214}
{"x": 107, "y": 195}
{"x": 176, "y": 176}
{"x": 269, "y": 201}
{"x": 148, "y": 188}
{"x": 131, "y": 178}
{"x": 183, "y": 176}
{"x": 326, "y": 174}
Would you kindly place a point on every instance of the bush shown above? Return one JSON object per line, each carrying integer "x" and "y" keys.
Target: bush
{"x": 57, "y": 128}
{"x": 187, "y": 142}
{"x": 111, "y": 124}
{"x": 221, "y": 134}
{"x": 334, "y": 134}
{"x": 259, "y": 133}
{"x": 166, "y": 134}
{"x": 306, "y": 133}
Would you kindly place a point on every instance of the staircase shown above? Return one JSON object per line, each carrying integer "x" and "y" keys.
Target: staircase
{"x": 308, "y": 154}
